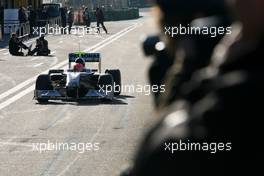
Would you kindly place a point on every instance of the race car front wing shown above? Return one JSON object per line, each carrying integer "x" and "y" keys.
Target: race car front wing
{"x": 55, "y": 95}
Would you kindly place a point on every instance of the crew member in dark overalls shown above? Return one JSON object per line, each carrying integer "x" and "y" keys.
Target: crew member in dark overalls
{"x": 42, "y": 48}
{"x": 70, "y": 19}
{"x": 15, "y": 44}
{"x": 86, "y": 18}
{"x": 100, "y": 19}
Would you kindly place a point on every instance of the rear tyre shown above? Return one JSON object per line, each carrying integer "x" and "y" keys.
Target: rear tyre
{"x": 106, "y": 83}
{"x": 43, "y": 83}
{"x": 116, "y": 74}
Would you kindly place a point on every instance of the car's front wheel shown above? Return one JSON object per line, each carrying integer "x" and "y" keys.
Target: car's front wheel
{"x": 43, "y": 83}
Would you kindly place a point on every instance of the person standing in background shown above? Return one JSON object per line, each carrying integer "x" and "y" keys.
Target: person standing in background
{"x": 32, "y": 18}
{"x": 63, "y": 18}
{"x": 86, "y": 18}
{"x": 100, "y": 19}
{"x": 70, "y": 19}
{"x": 22, "y": 15}
{"x": 1, "y": 20}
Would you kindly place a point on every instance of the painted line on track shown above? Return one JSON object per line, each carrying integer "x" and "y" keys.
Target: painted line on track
{"x": 38, "y": 65}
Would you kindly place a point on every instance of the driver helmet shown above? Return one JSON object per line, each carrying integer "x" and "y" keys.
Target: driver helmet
{"x": 80, "y": 61}
{"x": 78, "y": 67}
{"x": 80, "y": 64}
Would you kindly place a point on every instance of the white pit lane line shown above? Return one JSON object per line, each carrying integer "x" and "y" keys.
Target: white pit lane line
{"x": 16, "y": 144}
{"x": 4, "y": 49}
{"x": 34, "y": 58}
{"x": 38, "y": 65}
{"x": 94, "y": 48}
{"x": 3, "y": 143}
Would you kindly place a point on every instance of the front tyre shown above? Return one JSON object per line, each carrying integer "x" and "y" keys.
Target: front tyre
{"x": 43, "y": 83}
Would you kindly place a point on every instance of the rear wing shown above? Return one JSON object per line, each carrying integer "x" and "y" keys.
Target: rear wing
{"x": 87, "y": 57}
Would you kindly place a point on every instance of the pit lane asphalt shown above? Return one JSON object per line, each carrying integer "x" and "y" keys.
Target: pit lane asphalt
{"x": 117, "y": 126}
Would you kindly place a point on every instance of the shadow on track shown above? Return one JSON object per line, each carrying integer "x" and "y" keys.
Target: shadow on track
{"x": 119, "y": 100}
{"x": 125, "y": 96}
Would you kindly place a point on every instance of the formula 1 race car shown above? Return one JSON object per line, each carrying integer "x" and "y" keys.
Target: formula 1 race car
{"x": 78, "y": 85}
